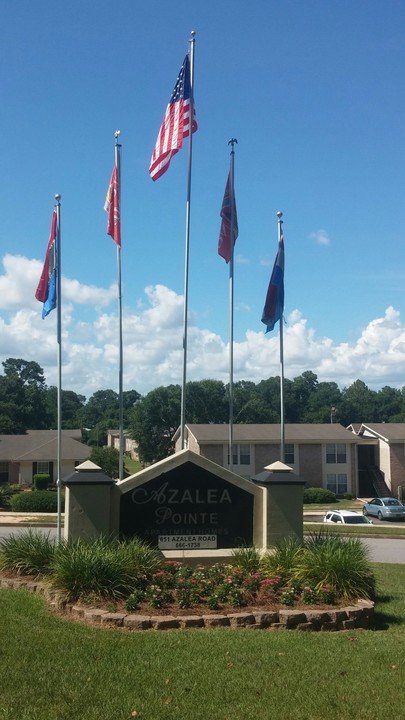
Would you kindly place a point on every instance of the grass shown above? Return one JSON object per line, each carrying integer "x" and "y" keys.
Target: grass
{"x": 132, "y": 466}
{"x": 359, "y": 530}
{"x": 338, "y": 505}
{"x": 58, "y": 669}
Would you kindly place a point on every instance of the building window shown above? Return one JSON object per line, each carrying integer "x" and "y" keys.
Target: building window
{"x": 240, "y": 455}
{"x": 43, "y": 468}
{"x": 337, "y": 483}
{"x": 3, "y": 473}
{"x": 336, "y": 453}
{"x": 289, "y": 454}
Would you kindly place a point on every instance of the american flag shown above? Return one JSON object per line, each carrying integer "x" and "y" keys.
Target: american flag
{"x": 175, "y": 124}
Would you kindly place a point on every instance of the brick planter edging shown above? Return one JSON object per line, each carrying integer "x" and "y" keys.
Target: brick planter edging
{"x": 359, "y": 615}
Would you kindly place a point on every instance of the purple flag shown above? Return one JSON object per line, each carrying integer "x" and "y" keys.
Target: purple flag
{"x": 274, "y": 305}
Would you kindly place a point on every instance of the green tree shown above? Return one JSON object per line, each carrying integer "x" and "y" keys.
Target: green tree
{"x": 359, "y": 404}
{"x": 323, "y": 404}
{"x": 23, "y": 396}
{"x": 389, "y": 404}
{"x": 71, "y": 407}
{"x": 107, "y": 459}
{"x": 154, "y": 420}
{"x": 249, "y": 405}
{"x": 206, "y": 402}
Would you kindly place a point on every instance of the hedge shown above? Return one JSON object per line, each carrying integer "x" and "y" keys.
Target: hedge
{"x": 36, "y": 501}
{"x": 318, "y": 495}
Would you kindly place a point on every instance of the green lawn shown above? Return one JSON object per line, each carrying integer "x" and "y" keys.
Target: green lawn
{"x": 55, "y": 669}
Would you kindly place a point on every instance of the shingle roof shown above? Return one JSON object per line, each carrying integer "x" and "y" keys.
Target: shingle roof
{"x": 387, "y": 431}
{"x": 42, "y": 445}
{"x": 270, "y": 433}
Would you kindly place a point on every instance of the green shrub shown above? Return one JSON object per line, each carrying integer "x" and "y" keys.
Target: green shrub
{"x": 318, "y": 495}
{"x": 283, "y": 559}
{"x": 42, "y": 481}
{"x": 44, "y": 501}
{"x": 107, "y": 568}
{"x": 6, "y": 492}
{"x": 28, "y": 553}
{"x": 246, "y": 558}
{"x": 339, "y": 563}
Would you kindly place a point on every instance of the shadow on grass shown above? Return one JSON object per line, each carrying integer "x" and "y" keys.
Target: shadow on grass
{"x": 384, "y": 620}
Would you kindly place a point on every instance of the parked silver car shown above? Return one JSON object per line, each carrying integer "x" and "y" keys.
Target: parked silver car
{"x": 385, "y": 508}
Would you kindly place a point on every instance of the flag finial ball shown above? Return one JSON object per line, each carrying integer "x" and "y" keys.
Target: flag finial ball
{"x": 58, "y": 197}
{"x": 279, "y": 214}
{"x": 117, "y": 133}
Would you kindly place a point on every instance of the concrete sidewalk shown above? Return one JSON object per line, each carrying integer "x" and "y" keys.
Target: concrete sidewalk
{"x": 35, "y": 518}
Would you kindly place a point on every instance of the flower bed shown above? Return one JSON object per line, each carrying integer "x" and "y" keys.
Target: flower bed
{"x": 349, "y": 617}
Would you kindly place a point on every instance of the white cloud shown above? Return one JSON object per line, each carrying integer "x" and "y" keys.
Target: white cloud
{"x": 153, "y": 337}
{"x": 320, "y": 236}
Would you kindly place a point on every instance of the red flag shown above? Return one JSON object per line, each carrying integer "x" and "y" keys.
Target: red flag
{"x": 112, "y": 207}
{"x": 46, "y": 291}
{"x": 175, "y": 124}
{"x": 228, "y": 214}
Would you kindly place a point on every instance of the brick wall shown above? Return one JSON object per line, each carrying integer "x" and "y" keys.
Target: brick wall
{"x": 310, "y": 464}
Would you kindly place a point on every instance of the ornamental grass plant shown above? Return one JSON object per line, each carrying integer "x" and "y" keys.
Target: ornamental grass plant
{"x": 324, "y": 569}
{"x": 28, "y": 553}
{"x": 102, "y": 567}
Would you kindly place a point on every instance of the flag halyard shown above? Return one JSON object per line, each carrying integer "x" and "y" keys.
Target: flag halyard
{"x": 229, "y": 218}
{"x": 175, "y": 124}
{"x": 112, "y": 208}
{"x": 46, "y": 291}
{"x": 274, "y": 305}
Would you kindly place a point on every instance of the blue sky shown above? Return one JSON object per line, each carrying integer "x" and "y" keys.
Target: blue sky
{"x": 312, "y": 90}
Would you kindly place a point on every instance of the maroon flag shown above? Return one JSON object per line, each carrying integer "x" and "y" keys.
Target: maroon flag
{"x": 46, "y": 291}
{"x": 175, "y": 124}
{"x": 112, "y": 208}
{"x": 228, "y": 213}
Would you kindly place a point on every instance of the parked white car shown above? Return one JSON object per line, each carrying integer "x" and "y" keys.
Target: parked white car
{"x": 346, "y": 517}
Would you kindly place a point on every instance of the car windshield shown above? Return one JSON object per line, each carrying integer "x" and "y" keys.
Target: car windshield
{"x": 394, "y": 503}
{"x": 353, "y": 520}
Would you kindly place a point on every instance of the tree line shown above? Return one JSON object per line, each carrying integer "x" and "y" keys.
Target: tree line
{"x": 27, "y": 403}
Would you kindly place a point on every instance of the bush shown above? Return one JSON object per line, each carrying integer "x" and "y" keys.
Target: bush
{"x": 29, "y": 553}
{"x": 42, "y": 481}
{"x": 318, "y": 495}
{"x": 107, "y": 568}
{"x": 341, "y": 564}
{"x": 44, "y": 501}
{"x": 6, "y": 492}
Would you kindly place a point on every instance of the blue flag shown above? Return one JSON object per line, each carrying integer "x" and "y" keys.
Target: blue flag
{"x": 274, "y": 305}
{"x": 46, "y": 290}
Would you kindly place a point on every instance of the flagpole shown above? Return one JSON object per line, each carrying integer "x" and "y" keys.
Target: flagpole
{"x": 186, "y": 253}
{"x": 232, "y": 196}
{"x": 59, "y": 388}
{"x": 282, "y": 423}
{"x": 120, "y": 372}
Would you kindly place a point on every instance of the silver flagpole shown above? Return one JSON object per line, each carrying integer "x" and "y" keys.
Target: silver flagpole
{"x": 282, "y": 424}
{"x": 232, "y": 198}
{"x": 59, "y": 390}
{"x": 120, "y": 373}
{"x": 186, "y": 253}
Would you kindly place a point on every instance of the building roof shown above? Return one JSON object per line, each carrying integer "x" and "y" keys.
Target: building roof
{"x": 394, "y": 432}
{"x": 42, "y": 445}
{"x": 211, "y": 434}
